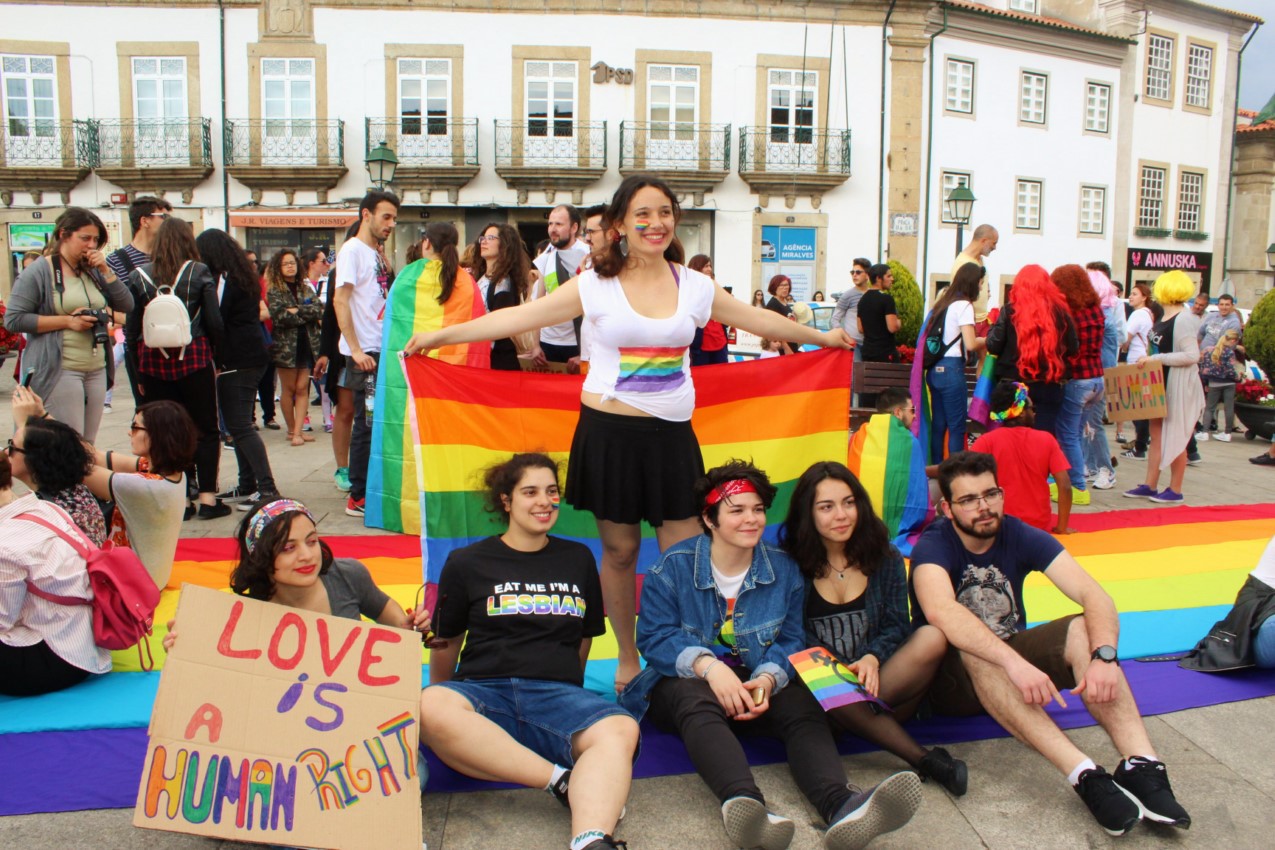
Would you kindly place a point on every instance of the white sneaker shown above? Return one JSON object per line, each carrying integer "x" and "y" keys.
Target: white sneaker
{"x": 1105, "y": 480}
{"x": 1226, "y": 438}
{"x": 1201, "y": 436}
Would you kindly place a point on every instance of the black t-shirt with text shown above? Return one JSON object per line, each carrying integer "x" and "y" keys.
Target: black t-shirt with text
{"x": 525, "y": 613}
{"x": 990, "y": 585}
{"x": 878, "y": 342}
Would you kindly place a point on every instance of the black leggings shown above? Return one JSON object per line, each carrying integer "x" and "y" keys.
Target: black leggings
{"x": 689, "y": 708}
{"x": 197, "y": 393}
{"x": 30, "y": 670}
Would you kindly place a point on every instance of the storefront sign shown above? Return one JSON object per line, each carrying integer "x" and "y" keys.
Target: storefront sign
{"x": 304, "y": 220}
{"x": 791, "y": 251}
{"x": 1142, "y": 259}
{"x": 28, "y": 237}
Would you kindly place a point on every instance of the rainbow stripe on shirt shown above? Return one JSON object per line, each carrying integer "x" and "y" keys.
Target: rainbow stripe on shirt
{"x": 651, "y": 369}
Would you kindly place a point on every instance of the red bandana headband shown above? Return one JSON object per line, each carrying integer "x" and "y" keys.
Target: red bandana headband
{"x": 727, "y": 489}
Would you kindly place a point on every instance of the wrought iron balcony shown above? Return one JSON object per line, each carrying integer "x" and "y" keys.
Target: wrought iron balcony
{"x": 426, "y": 142}
{"x": 692, "y": 158}
{"x": 158, "y": 142}
{"x": 792, "y": 161}
{"x": 285, "y": 142}
{"x": 41, "y": 143}
{"x": 551, "y": 154}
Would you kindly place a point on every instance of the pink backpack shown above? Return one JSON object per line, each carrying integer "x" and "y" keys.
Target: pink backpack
{"x": 124, "y": 594}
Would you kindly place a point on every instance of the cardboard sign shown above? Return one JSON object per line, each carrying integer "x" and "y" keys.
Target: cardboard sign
{"x": 282, "y": 726}
{"x": 1134, "y": 393}
{"x": 829, "y": 680}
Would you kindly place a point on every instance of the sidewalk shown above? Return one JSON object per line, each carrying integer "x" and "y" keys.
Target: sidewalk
{"x": 1221, "y": 758}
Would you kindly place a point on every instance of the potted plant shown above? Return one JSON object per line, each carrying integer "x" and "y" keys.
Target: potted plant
{"x": 1255, "y": 407}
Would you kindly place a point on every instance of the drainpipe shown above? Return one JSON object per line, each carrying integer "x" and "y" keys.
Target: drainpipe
{"x": 885, "y": 24}
{"x": 929, "y": 170}
{"x": 1235, "y": 120}
{"x": 225, "y": 175}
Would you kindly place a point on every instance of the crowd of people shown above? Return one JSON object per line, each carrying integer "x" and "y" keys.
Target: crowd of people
{"x": 723, "y": 610}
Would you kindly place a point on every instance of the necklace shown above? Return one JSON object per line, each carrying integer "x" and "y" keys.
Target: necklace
{"x": 841, "y": 573}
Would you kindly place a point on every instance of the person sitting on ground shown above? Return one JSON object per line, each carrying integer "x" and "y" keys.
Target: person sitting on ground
{"x": 45, "y": 646}
{"x": 904, "y": 509}
{"x": 515, "y": 709}
{"x": 968, "y": 571}
{"x": 857, "y": 608}
{"x": 1245, "y": 637}
{"x": 52, "y": 459}
{"x": 1026, "y": 458}
{"x": 721, "y": 614}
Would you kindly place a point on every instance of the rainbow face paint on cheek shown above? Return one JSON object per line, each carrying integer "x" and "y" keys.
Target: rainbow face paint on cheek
{"x": 554, "y": 500}
{"x": 641, "y": 224}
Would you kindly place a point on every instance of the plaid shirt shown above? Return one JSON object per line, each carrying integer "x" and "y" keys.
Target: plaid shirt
{"x": 152, "y": 363}
{"x": 1087, "y": 361}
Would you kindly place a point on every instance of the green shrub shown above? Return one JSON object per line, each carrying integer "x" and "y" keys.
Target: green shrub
{"x": 1259, "y": 334}
{"x": 908, "y": 301}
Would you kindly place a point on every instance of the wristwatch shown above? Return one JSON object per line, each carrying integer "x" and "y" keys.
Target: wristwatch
{"x": 1106, "y": 653}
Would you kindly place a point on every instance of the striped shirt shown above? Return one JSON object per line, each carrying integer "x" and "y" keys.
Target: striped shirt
{"x": 122, "y": 269}
{"x": 31, "y": 552}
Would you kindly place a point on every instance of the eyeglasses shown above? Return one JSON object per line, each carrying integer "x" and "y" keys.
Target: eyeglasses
{"x": 11, "y": 448}
{"x": 134, "y": 428}
{"x": 158, "y": 215}
{"x": 991, "y": 497}
{"x": 589, "y": 231}
{"x": 489, "y": 237}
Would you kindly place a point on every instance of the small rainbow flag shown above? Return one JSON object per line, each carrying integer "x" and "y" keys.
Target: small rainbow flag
{"x": 393, "y": 499}
{"x": 981, "y": 403}
{"x": 782, "y": 414}
{"x": 890, "y": 462}
{"x": 829, "y": 680}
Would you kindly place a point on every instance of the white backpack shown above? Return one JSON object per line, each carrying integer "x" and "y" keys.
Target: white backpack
{"x": 165, "y": 320}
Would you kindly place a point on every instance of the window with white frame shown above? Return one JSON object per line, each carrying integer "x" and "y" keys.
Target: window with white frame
{"x": 1199, "y": 72}
{"x": 672, "y": 98}
{"x": 1028, "y": 6}
{"x": 952, "y": 179}
{"x": 159, "y": 107}
{"x": 1027, "y": 205}
{"x": 30, "y": 99}
{"x": 287, "y": 91}
{"x": 1032, "y": 94}
{"x": 1097, "y": 107}
{"x": 1159, "y": 83}
{"x": 1093, "y": 209}
{"x": 960, "y": 86}
{"x": 791, "y": 96}
{"x": 1151, "y": 197}
{"x": 1190, "y": 194}
{"x": 551, "y": 98}
{"x": 424, "y": 96}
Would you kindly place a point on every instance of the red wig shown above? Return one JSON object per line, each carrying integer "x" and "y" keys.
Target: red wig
{"x": 1039, "y": 313}
{"x": 1073, "y": 282}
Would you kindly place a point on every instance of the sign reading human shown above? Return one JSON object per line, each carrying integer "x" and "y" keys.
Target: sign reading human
{"x": 1134, "y": 393}
{"x": 284, "y": 727}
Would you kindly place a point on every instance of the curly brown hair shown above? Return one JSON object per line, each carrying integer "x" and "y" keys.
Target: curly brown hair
{"x": 1073, "y": 282}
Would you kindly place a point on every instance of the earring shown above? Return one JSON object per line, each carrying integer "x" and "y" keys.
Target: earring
{"x": 623, "y": 245}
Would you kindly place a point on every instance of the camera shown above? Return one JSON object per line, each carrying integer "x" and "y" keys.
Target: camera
{"x": 101, "y": 333}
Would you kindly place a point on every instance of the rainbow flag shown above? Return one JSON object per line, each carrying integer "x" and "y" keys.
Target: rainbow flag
{"x": 783, "y": 414}
{"x": 890, "y": 462}
{"x": 829, "y": 680}
{"x": 393, "y": 499}
{"x": 921, "y": 395}
{"x": 981, "y": 403}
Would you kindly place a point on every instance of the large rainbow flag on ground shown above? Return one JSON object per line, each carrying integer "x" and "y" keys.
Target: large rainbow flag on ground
{"x": 393, "y": 498}
{"x": 890, "y": 463}
{"x": 783, "y": 414}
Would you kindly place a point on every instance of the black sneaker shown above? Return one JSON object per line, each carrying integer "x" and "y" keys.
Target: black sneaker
{"x": 1263, "y": 460}
{"x": 949, "y": 772}
{"x": 190, "y": 512}
{"x": 1115, "y": 811}
{"x": 1148, "y": 783}
{"x": 214, "y": 511}
{"x": 237, "y": 495}
{"x": 874, "y": 812}
{"x": 559, "y": 790}
{"x": 750, "y": 824}
{"x": 606, "y": 842}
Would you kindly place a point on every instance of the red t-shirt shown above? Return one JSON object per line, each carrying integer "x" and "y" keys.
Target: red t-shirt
{"x": 1024, "y": 457}
{"x": 714, "y": 336}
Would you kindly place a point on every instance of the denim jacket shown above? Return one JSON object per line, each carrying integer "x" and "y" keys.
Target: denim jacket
{"x": 886, "y": 607}
{"x": 682, "y": 613}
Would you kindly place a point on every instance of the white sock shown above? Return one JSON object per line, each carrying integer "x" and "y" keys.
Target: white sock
{"x": 586, "y": 838}
{"x": 558, "y": 771}
{"x": 1074, "y": 776}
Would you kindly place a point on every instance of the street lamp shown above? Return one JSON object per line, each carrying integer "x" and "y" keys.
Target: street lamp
{"x": 960, "y": 205}
{"x": 1270, "y": 255}
{"x": 381, "y": 163}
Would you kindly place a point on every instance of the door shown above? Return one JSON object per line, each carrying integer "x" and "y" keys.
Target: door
{"x": 672, "y": 139}
{"x": 790, "y": 134}
{"x": 160, "y": 130}
{"x": 424, "y": 110}
{"x": 289, "y": 134}
{"x": 551, "y": 113}
{"x": 30, "y": 111}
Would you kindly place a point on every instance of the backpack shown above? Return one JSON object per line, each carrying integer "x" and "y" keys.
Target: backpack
{"x": 165, "y": 319}
{"x": 933, "y": 349}
{"x": 124, "y": 594}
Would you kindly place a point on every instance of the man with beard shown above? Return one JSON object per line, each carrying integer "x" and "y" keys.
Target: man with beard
{"x": 557, "y": 265}
{"x": 968, "y": 571}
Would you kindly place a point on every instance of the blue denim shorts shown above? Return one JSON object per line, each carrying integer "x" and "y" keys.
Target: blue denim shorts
{"x": 542, "y": 716}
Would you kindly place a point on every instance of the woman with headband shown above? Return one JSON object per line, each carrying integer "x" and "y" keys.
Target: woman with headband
{"x": 721, "y": 614}
{"x": 1025, "y": 458}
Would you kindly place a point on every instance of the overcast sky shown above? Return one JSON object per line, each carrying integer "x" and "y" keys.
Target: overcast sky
{"x": 1257, "y": 78}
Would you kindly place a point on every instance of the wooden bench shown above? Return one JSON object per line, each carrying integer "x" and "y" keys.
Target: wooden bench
{"x": 872, "y": 378}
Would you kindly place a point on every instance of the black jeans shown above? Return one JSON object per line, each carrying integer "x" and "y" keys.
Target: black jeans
{"x": 197, "y": 393}
{"x": 1047, "y": 398}
{"x": 559, "y": 353}
{"x": 689, "y": 708}
{"x": 29, "y": 670}
{"x": 265, "y": 390}
{"x": 355, "y": 380}
{"x": 237, "y": 395}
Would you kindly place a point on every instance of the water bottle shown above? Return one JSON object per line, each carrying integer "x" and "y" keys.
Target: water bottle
{"x": 369, "y": 396}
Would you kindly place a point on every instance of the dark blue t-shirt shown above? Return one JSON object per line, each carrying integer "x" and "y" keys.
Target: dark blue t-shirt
{"x": 990, "y": 585}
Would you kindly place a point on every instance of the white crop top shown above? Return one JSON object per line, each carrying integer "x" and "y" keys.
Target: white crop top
{"x": 638, "y": 360}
